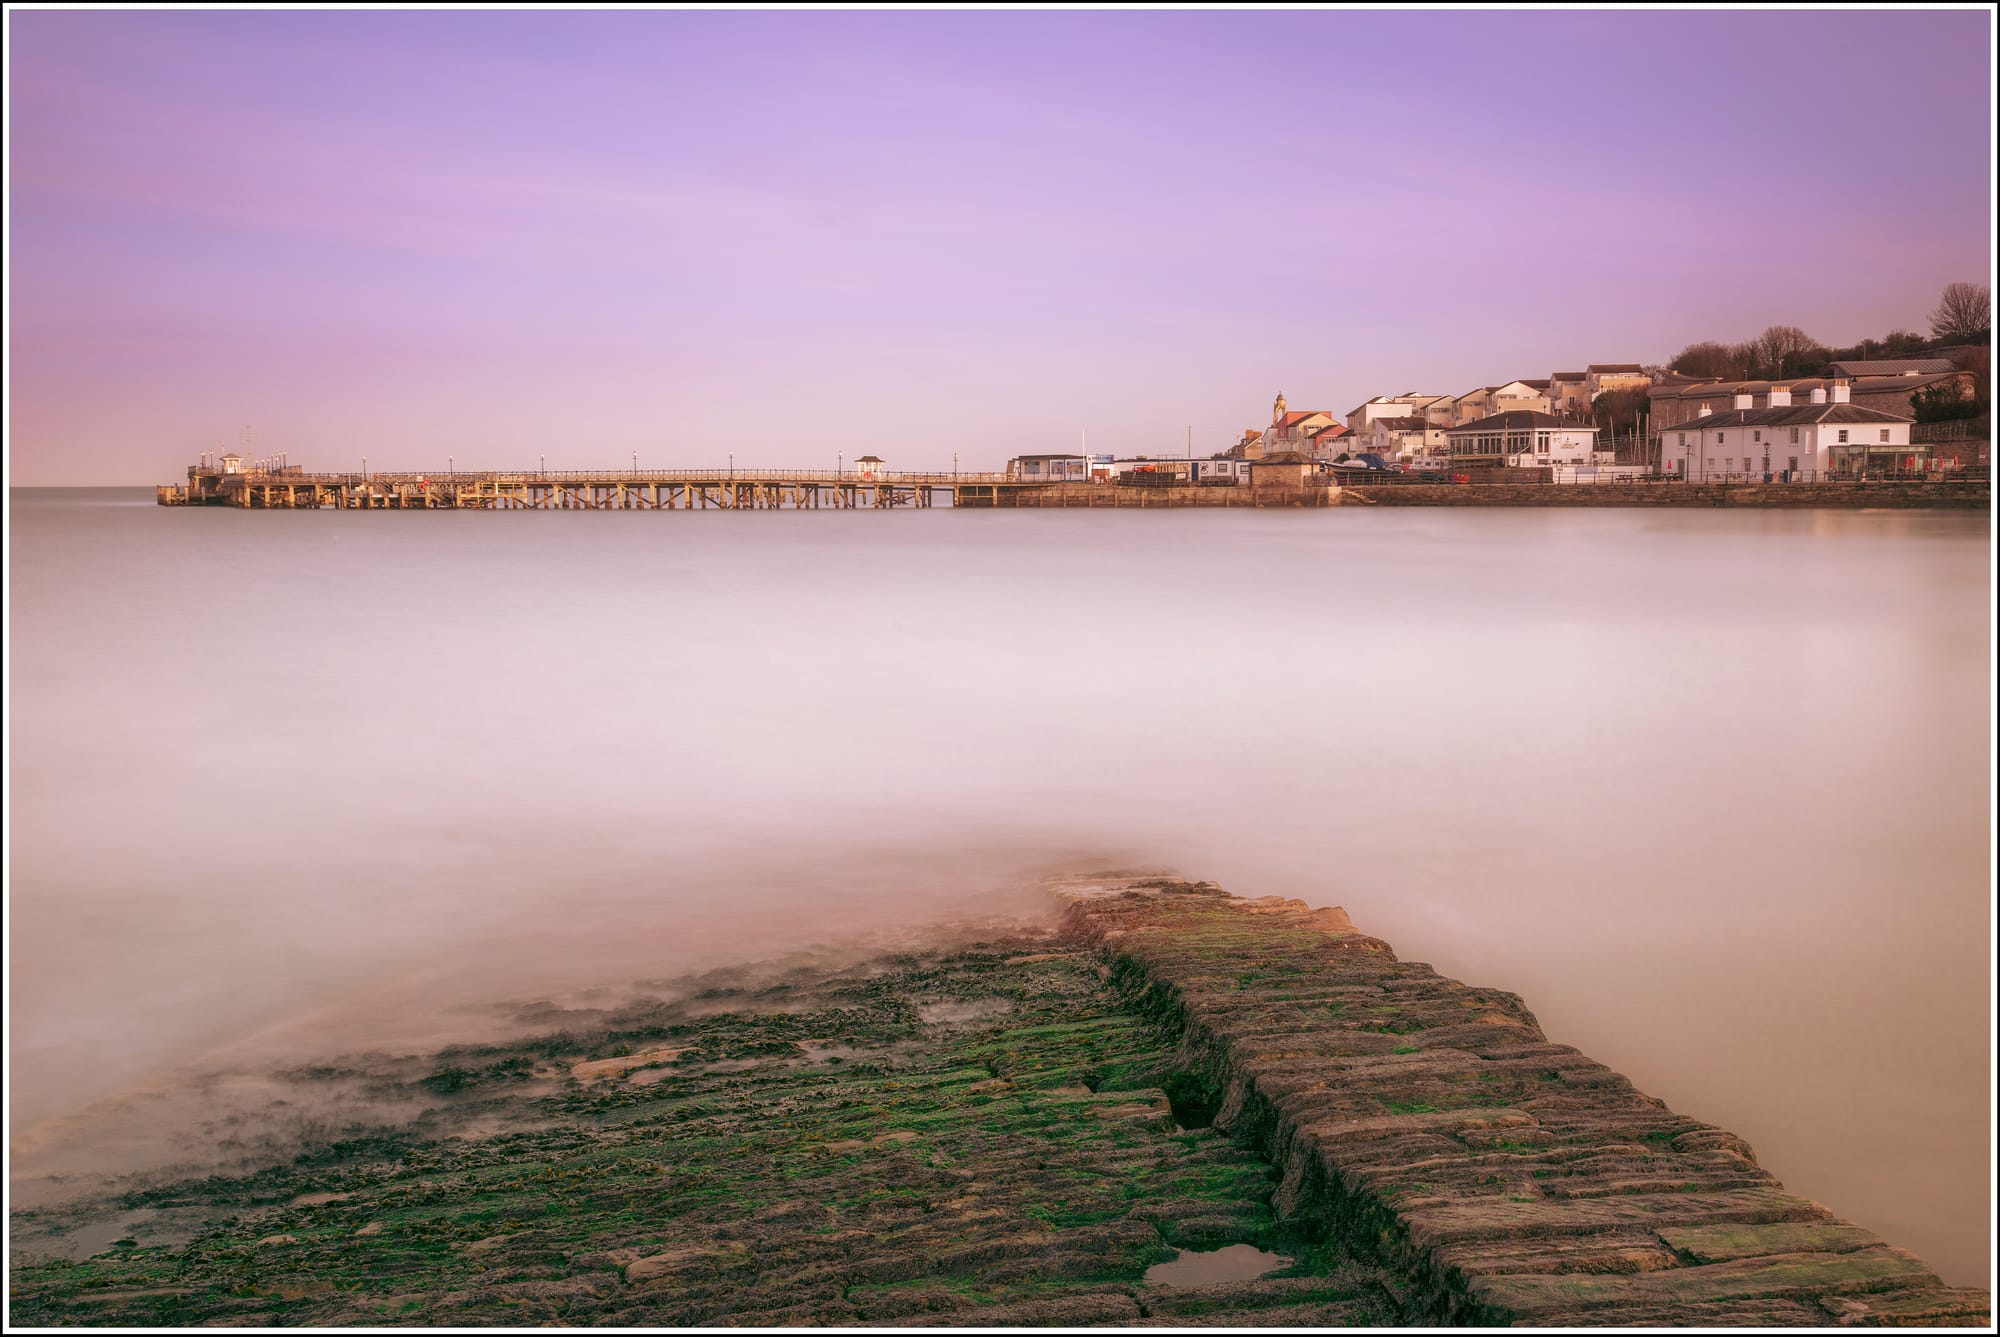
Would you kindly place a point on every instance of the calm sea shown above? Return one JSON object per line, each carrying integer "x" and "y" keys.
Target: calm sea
{"x": 1709, "y": 789}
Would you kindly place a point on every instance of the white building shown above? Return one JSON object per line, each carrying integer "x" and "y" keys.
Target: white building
{"x": 1779, "y": 441}
{"x": 1523, "y": 438}
{"x": 1218, "y": 469}
{"x": 1042, "y": 468}
{"x": 1407, "y": 405}
{"x": 1400, "y": 439}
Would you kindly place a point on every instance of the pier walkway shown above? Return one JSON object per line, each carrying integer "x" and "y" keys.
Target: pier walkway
{"x": 592, "y": 490}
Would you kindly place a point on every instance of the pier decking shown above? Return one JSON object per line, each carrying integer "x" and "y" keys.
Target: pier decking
{"x": 592, "y": 490}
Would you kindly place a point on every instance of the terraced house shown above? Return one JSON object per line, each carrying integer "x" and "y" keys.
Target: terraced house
{"x": 1675, "y": 400}
{"x": 1769, "y": 438}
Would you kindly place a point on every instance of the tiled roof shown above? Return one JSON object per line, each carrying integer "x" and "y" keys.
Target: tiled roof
{"x": 1800, "y": 385}
{"x": 1631, "y": 367}
{"x": 1567, "y": 376}
{"x": 1785, "y": 416}
{"x": 1905, "y": 366}
{"x": 1514, "y": 420}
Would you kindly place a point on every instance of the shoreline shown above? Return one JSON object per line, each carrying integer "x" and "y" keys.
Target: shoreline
{"x": 1012, "y": 1133}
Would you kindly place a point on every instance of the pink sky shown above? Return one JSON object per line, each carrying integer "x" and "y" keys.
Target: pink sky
{"x": 503, "y": 235}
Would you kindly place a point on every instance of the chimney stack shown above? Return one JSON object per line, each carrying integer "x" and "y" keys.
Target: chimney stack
{"x": 1704, "y": 411}
{"x": 1819, "y": 394}
{"x": 1838, "y": 395}
{"x": 1779, "y": 398}
{"x": 1742, "y": 400}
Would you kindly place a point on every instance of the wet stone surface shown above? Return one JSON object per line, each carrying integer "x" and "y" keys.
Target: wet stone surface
{"x": 949, "y": 1140}
{"x": 1015, "y": 1136}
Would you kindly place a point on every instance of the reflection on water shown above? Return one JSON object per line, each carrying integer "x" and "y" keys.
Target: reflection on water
{"x": 1213, "y": 1267}
{"x": 1707, "y": 788}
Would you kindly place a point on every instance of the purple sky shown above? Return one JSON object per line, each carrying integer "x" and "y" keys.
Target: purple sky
{"x": 791, "y": 235}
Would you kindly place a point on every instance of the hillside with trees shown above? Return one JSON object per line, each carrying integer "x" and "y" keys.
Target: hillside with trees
{"x": 1964, "y": 315}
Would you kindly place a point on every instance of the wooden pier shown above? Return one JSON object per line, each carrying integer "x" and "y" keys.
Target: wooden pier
{"x": 585, "y": 490}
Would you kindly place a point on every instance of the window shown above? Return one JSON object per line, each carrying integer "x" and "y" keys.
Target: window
{"x": 1885, "y": 434}
{"x": 1795, "y": 436}
{"x": 1843, "y": 436}
{"x": 1684, "y": 439}
{"x": 1718, "y": 438}
{"x": 1756, "y": 436}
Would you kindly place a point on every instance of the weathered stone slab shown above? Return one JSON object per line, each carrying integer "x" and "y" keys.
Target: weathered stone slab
{"x": 1502, "y": 1177}
{"x": 1720, "y": 1244}
{"x": 1781, "y": 1276}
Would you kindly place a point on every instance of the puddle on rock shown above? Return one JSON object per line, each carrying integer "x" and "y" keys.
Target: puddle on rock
{"x": 1215, "y": 1267}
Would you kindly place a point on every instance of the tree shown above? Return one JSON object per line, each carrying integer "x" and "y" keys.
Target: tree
{"x": 1709, "y": 358}
{"x": 1617, "y": 412}
{"x": 1947, "y": 401}
{"x": 1783, "y": 348}
{"x": 1964, "y": 313}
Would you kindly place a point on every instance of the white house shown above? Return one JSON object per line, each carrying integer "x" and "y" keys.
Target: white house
{"x": 1523, "y": 438}
{"x": 1400, "y": 438}
{"x": 1779, "y": 441}
{"x": 1042, "y": 468}
{"x": 1406, "y": 405}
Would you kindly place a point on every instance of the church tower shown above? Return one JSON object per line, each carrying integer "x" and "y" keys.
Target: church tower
{"x": 1278, "y": 409}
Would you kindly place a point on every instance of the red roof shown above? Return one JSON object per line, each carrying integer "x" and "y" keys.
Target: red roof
{"x": 1300, "y": 415}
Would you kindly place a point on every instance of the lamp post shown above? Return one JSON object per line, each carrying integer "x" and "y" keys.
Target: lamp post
{"x": 839, "y": 463}
{"x": 364, "y": 466}
{"x": 954, "y": 466}
{"x": 451, "y": 466}
{"x": 732, "y": 466}
{"x": 544, "y": 466}
{"x": 635, "y": 461}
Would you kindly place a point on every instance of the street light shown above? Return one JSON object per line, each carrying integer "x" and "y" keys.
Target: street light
{"x": 732, "y": 466}
{"x": 954, "y": 466}
{"x": 364, "y": 466}
{"x": 635, "y": 461}
{"x": 451, "y": 466}
{"x": 545, "y": 465}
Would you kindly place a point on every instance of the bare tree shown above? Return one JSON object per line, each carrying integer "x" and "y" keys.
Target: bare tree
{"x": 1708, "y": 358}
{"x": 1786, "y": 344}
{"x": 1964, "y": 312}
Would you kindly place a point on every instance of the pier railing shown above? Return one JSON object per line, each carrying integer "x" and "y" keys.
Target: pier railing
{"x": 724, "y": 475}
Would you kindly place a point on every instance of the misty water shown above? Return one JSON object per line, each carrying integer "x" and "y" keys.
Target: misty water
{"x": 1709, "y": 789}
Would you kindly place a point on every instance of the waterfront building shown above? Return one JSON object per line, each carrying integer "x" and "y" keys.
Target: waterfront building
{"x": 1220, "y": 470}
{"x": 870, "y": 467}
{"x": 1041, "y": 468}
{"x": 1401, "y": 439}
{"x": 1778, "y": 440}
{"x": 1677, "y": 399}
{"x": 1522, "y": 438}
{"x": 1298, "y": 431}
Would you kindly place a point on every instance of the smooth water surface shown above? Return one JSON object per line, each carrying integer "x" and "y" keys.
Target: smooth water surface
{"x": 1213, "y": 1267}
{"x": 1708, "y": 788}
